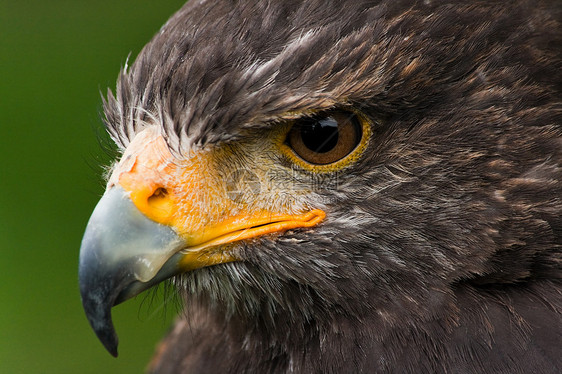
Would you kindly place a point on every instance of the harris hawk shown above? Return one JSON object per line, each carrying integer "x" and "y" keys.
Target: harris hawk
{"x": 340, "y": 187}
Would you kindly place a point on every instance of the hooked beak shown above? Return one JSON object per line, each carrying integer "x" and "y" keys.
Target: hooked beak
{"x": 123, "y": 253}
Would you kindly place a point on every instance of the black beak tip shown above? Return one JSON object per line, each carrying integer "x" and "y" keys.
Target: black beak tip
{"x": 109, "y": 339}
{"x": 99, "y": 316}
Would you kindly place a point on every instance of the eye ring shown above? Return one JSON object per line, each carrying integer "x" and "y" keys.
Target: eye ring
{"x": 328, "y": 140}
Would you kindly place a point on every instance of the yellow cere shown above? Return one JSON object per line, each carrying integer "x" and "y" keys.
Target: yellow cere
{"x": 194, "y": 195}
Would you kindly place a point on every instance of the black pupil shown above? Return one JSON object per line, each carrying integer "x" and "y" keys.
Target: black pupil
{"x": 320, "y": 135}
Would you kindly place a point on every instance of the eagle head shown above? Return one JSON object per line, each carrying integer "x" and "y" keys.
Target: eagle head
{"x": 331, "y": 182}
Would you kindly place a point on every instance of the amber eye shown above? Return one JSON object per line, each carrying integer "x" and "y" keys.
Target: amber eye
{"x": 326, "y": 138}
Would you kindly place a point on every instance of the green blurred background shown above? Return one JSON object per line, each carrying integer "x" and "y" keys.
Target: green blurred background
{"x": 55, "y": 57}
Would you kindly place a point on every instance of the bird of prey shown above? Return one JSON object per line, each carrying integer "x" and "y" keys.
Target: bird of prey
{"x": 340, "y": 187}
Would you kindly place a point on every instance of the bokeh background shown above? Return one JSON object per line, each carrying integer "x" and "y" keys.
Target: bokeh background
{"x": 55, "y": 58}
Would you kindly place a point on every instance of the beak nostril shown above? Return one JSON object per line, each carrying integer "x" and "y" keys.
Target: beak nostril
{"x": 159, "y": 193}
